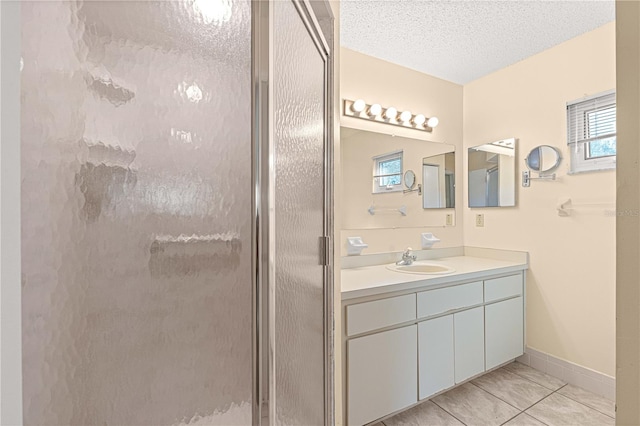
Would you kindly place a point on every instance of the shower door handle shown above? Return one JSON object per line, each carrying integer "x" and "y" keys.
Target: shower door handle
{"x": 325, "y": 250}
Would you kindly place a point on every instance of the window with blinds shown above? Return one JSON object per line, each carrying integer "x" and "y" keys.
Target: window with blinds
{"x": 387, "y": 172}
{"x": 591, "y": 133}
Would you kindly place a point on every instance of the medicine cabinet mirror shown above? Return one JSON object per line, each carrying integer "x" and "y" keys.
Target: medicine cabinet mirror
{"x": 492, "y": 174}
{"x": 543, "y": 159}
{"x": 424, "y": 165}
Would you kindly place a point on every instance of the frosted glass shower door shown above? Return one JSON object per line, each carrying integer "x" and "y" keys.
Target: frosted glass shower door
{"x": 137, "y": 212}
{"x": 299, "y": 116}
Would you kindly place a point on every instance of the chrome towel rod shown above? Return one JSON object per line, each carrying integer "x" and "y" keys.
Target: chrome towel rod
{"x": 565, "y": 206}
{"x": 373, "y": 209}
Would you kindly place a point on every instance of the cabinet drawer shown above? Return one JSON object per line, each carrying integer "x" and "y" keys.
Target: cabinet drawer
{"x": 369, "y": 316}
{"x": 442, "y": 300}
{"x": 501, "y": 288}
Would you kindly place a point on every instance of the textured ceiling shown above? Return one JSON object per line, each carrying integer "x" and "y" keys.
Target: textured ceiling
{"x": 460, "y": 41}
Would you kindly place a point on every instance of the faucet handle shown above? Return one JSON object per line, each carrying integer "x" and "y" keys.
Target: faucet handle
{"x": 407, "y": 254}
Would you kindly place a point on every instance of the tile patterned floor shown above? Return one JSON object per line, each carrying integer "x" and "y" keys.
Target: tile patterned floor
{"x": 514, "y": 395}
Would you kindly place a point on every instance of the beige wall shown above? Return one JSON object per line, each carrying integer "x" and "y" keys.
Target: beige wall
{"x": 628, "y": 183}
{"x": 571, "y": 281}
{"x": 375, "y": 80}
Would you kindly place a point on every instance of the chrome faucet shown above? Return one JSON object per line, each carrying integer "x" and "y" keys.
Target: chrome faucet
{"x": 407, "y": 258}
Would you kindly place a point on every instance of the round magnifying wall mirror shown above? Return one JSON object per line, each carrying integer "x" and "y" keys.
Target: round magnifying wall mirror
{"x": 409, "y": 179}
{"x": 543, "y": 159}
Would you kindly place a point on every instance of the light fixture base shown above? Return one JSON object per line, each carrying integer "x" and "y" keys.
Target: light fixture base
{"x": 349, "y": 111}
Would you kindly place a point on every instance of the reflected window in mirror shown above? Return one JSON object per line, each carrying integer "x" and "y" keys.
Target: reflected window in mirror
{"x": 387, "y": 172}
{"x": 492, "y": 174}
{"x": 438, "y": 181}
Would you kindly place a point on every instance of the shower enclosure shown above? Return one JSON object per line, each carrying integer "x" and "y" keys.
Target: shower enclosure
{"x": 176, "y": 213}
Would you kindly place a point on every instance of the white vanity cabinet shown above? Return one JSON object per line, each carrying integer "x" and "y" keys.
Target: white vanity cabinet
{"x": 451, "y": 347}
{"x": 382, "y": 366}
{"x": 450, "y": 350}
{"x": 435, "y": 356}
{"x": 382, "y": 373}
{"x": 404, "y": 348}
{"x": 469, "y": 343}
{"x": 504, "y": 320}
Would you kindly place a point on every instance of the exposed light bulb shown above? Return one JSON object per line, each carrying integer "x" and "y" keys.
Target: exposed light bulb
{"x": 390, "y": 113}
{"x": 419, "y": 120}
{"x": 405, "y": 116}
{"x": 433, "y": 122}
{"x": 358, "y": 106}
{"x": 374, "y": 110}
{"x": 194, "y": 93}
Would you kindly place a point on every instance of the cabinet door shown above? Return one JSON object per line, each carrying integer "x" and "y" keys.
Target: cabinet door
{"x": 382, "y": 375}
{"x": 504, "y": 328}
{"x": 435, "y": 356}
{"x": 469, "y": 343}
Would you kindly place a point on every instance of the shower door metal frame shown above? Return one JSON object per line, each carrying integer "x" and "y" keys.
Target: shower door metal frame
{"x": 10, "y": 220}
{"x": 259, "y": 205}
{"x": 263, "y": 178}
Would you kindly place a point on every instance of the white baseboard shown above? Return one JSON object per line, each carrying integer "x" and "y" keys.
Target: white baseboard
{"x": 574, "y": 374}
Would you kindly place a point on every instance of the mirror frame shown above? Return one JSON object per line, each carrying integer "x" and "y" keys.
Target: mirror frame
{"x": 409, "y": 174}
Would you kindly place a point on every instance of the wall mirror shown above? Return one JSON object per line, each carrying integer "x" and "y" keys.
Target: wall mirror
{"x": 543, "y": 159}
{"x": 423, "y": 164}
{"x": 492, "y": 174}
{"x": 439, "y": 181}
{"x": 409, "y": 179}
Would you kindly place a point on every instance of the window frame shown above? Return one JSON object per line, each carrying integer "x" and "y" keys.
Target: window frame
{"x": 579, "y": 148}
{"x": 377, "y": 176}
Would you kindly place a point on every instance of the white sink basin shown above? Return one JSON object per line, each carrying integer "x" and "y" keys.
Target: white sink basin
{"x": 421, "y": 267}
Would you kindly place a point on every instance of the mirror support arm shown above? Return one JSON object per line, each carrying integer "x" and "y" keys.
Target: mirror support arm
{"x": 526, "y": 178}
{"x": 419, "y": 189}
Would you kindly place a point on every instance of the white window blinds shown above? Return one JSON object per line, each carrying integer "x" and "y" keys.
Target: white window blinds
{"x": 592, "y": 119}
{"x": 591, "y": 132}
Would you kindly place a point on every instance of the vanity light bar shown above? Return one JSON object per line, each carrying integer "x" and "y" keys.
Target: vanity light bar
{"x": 388, "y": 115}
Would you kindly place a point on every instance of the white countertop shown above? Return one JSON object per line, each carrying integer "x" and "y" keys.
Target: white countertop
{"x": 372, "y": 280}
